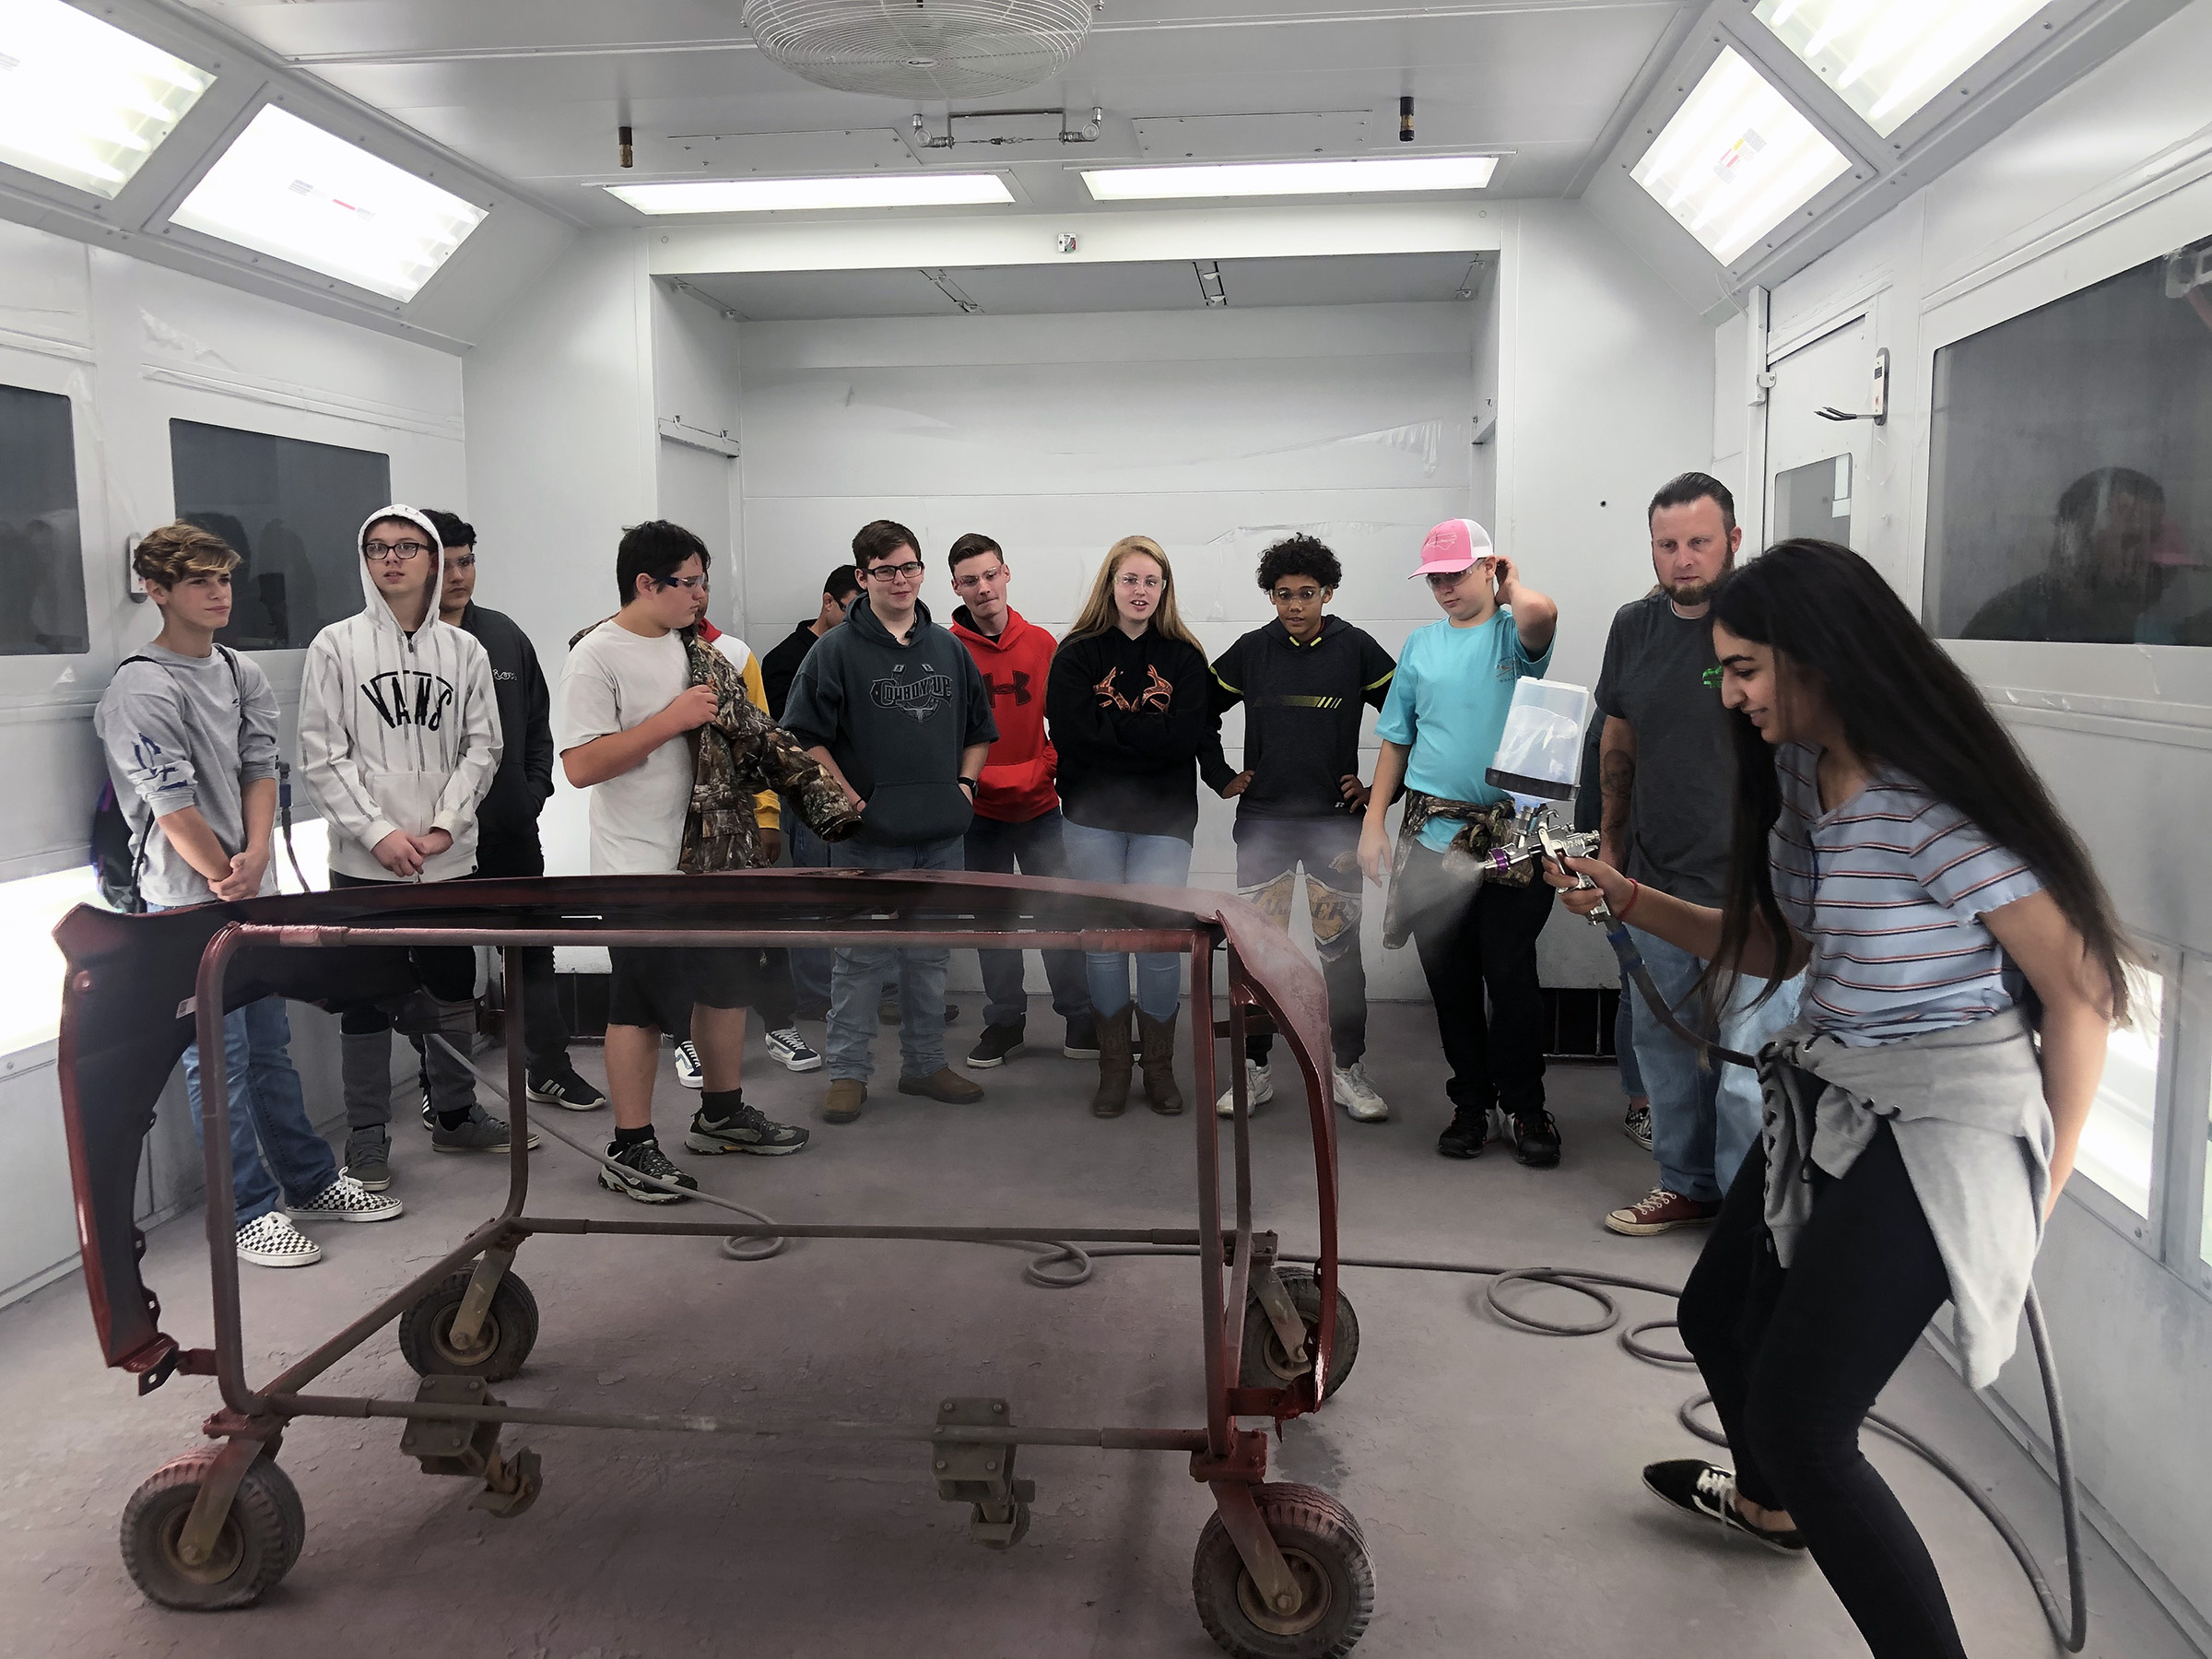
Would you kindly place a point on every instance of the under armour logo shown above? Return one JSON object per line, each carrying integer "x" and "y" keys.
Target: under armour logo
{"x": 1018, "y": 687}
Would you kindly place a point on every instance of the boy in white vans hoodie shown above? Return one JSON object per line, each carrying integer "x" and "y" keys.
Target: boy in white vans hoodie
{"x": 399, "y": 740}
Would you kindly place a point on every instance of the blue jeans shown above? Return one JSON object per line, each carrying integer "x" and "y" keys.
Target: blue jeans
{"x": 268, "y": 1113}
{"x": 857, "y": 977}
{"x": 1036, "y": 847}
{"x": 1141, "y": 861}
{"x": 809, "y": 969}
{"x": 1704, "y": 1119}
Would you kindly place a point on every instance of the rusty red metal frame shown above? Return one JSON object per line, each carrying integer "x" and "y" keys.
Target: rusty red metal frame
{"x": 140, "y": 988}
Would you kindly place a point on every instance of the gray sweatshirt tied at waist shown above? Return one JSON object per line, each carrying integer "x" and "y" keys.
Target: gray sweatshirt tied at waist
{"x": 1966, "y": 1106}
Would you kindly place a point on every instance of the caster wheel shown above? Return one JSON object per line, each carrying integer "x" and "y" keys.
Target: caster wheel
{"x": 505, "y": 1341}
{"x": 260, "y": 1540}
{"x": 1327, "y": 1558}
{"x": 1265, "y": 1363}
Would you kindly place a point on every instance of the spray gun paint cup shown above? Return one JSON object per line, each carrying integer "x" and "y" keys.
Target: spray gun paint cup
{"x": 1540, "y": 754}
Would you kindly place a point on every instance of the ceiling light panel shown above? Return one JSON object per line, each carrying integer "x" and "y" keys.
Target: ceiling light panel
{"x": 296, "y": 193}
{"x": 1289, "y": 178}
{"x": 1736, "y": 159}
{"x": 82, "y": 103}
{"x": 779, "y": 196}
{"x": 1888, "y": 58}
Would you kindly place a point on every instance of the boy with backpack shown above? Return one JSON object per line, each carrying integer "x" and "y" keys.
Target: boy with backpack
{"x": 189, "y": 731}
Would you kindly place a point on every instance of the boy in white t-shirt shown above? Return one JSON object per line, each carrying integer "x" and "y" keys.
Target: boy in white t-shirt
{"x": 627, "y": 705}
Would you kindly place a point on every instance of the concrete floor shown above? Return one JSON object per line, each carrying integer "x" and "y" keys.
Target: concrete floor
{"x": 1494, "y": 1472}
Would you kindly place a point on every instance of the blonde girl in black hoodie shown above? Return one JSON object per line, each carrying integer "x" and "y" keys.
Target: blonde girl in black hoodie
{"x": 1131, "y": 713}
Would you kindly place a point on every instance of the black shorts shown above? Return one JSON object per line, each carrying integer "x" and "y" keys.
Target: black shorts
{"x": 657, "y": 986}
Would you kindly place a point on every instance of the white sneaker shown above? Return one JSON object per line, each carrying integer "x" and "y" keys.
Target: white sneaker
{"x": 792, "y": 1050}
{"x": 347, "y": 1199}
{"x": 1355, "y": 1091}
{"x": 1259, "y": 1089}
{"x": 272, "y": 1241}
{"x": 687, "y": 1071}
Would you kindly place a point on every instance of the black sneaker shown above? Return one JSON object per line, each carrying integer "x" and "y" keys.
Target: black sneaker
{"x": 560, "y": 1085}
{"x": 1694, "y": 1486}
{"x": 1464, "y": 1134}
{"x": 994, "y": 1047}
{"x": 745, "y": 1130}
{"x": 645, "y": 1158}
{"x": 1536, "y": 1138}
{"x": 1082, "y": 1042}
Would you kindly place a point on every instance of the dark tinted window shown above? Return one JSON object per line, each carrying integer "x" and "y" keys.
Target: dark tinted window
{"x": 2070, "y": 483}
{"x": 41, "y": 556}
{"x": 290, "y": 510}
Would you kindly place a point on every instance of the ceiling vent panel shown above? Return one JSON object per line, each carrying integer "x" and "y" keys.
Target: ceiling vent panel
{"x": 927, "y": 49}
{"x": 1243, "y": 138}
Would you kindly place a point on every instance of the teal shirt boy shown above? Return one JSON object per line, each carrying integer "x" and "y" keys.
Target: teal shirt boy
{"x": 1448, "y": 706}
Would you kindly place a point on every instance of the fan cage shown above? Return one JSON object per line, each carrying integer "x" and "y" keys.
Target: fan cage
{"x": 922, "y": 47}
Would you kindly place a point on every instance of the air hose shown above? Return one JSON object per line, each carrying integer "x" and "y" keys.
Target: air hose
{"x": 1057, "y": 1264}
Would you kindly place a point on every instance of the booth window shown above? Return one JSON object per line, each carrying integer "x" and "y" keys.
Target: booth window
{"x": 2070, "y": 466}
{"x": 290, "y": 510}
{"x": 2117, "y": 1142}
{"x": 41, "y": 558}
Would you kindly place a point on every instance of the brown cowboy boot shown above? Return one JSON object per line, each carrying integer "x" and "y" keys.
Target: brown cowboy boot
{"x": 1115, "y": 1063}
{"x": 1160, "y": 1092}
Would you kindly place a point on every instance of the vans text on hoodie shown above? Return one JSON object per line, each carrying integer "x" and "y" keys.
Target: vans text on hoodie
{"x": 397, "y": 730}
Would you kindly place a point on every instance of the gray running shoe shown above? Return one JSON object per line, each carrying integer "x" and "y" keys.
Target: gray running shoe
{"x": 369, "y": 1159}
{"x": 745, "y": 1130}
{"x": 645, "y": 1159}
{"x": 478, "y": 1131}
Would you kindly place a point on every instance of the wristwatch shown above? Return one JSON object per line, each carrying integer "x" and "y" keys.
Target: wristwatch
{"x": 970, "y": 784}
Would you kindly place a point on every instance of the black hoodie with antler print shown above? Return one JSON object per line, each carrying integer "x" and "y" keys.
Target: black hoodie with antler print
{"x": 1133, "y": 723}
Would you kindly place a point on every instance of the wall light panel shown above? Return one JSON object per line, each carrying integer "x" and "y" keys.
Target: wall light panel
{"x": 1888, "y": 58}
{"x": 82, "y": 103}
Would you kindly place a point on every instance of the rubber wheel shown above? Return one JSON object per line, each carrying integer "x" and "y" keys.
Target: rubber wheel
{"x": 260, "y": 1541}
{"x": 1265, "y": 1363}
{"x": 508, "y": 1332}
{"x": 1327, "y": 1556}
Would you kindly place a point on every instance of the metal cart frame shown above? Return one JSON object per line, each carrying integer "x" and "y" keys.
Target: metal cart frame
{"x": 140, "y": 988}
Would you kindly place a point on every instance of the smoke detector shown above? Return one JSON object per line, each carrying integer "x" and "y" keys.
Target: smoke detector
{"x": 926, "y": 48}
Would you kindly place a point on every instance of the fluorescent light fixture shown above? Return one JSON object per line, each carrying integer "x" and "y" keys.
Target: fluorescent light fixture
{"x": 1889, "y": 57}
{"x": 779, "y": 196}
{"x": 297, "y": 193}
{"x": 82, "y": 103}
{"x": 1289, "y": 178}
{"x": 1736, "y": 159}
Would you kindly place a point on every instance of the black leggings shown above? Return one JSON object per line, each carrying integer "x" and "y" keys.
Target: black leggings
{"x": 1796, "y": 1360}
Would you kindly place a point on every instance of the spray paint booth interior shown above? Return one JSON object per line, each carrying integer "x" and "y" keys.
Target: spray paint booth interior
{"x": 1213, "y": 276}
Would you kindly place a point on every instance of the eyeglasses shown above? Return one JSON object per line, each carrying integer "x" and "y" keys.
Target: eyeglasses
{"x": 692, "y": 584}
{"x": 1305, "y": 596}
{"x": 1445, "y": 579}
{"x": 965, "y": 582}
{"x": 402, "y": 551}
{"x": 1130, "y": 579}
{"x": 895, "y": 572}
{"x": 461, "y": 561}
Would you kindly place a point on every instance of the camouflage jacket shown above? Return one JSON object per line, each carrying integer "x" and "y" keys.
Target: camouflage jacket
{"x": 735, "y": 755}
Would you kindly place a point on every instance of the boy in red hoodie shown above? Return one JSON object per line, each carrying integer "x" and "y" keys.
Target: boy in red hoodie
{"x": 1016, "y": 810}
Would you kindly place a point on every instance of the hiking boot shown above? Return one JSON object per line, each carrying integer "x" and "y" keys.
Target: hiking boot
{"x": 995, "y": 1046}
{"x": 1158, "y": 1062}
{"x": 1115, "y": 1063}
{"x": 689, "y": 1074}
{"x": 347, "y": 1199}
{"x": 944, "y": 1084}
{"x": 271, "y": 1240}
{"x": 644, "y": 1159}
{"x": 1259, "y": 1089}
{"x": 1355, "y": 1091}
{"x": 1661, "y": 1211}
{"x": 1536, "y": 1138}
{"x": 745, "y": 1130}
{"x": 842, "y": 1104}
{"x": 1465, "y": 1136}
{"x": 1697, "y": 1488}
{"x": 1082, "y": 1040}
{"x": 369, "y": 1159}
{"x": 1637, "y": 1126}
{"x": 559, "y": 1086}
{"x": 797, "y": 1054}
{"x": 478, "y": 1131}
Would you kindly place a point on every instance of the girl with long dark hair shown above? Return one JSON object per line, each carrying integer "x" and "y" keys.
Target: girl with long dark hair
{"x": 1963, "y": 971}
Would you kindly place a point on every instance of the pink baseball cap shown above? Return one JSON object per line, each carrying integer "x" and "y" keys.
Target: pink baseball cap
{"x": 1453, "y": 545}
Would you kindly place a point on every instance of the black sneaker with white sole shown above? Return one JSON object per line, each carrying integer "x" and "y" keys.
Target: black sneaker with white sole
{"x": 797, "y": 1054}
{"x": 1697, "y": 1488}
{"x": 560, "y": 1085}
{"x": 995, "y": 1047}
{"x": 745, "y": 1130}
{"x": 689, "y": 1073}
{"x": 644, "y": 1159}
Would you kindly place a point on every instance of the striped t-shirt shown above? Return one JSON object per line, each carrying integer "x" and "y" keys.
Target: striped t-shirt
{"x": 1889, "y": 889}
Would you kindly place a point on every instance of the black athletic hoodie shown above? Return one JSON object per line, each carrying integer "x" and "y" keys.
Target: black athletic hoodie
{"x": 525, "y": 781}
{"x": 1130, "y": 718}
{"x": 1301, "y": 712}
{"x": 895, "y": 719}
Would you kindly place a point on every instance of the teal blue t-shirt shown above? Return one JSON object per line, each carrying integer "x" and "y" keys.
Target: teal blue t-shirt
{"x": 1448, "y": 705}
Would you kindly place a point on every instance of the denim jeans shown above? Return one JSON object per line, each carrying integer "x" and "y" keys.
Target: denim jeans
{"x": 1270, "y": 852}
{"x": 856, "y": 978}
{"x": 1035, "y": 846}
{"x": 1705, "y": 1118}
{"x": 268, "y": 1113}
{"x": 1140, "y": 860}
{"x": 809, "y": 969}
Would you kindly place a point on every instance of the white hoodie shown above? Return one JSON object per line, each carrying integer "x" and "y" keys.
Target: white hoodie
{"x": 398, "y": 731}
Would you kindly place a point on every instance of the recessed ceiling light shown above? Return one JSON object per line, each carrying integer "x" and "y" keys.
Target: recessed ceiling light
{"x": 1289, "y": 178}
{"x": 1736, "y": 159}
{"x": 297, "y": 193}
{"x": 82, "y": 103}
{"x": 1889, "y": 57}
{"x": 779, "y": 196}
